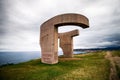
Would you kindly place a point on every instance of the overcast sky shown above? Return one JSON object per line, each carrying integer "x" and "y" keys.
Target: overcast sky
{"x": 20, "y": 21}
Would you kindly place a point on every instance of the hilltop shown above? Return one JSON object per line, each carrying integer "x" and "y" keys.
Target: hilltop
{"x": 90, "y": 66}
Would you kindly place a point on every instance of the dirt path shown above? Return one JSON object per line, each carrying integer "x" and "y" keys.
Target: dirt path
{"x": 113, "y": 61}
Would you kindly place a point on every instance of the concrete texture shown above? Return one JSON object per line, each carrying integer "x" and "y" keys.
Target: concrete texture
{"x": 49, "y": 34}
{"x": 66, "y": 42}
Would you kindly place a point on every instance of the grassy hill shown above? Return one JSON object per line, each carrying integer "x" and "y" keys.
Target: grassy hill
{"x": 90, "y": 66}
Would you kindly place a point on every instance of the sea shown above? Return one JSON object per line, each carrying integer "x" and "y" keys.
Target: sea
{"x": 14, "y": 57}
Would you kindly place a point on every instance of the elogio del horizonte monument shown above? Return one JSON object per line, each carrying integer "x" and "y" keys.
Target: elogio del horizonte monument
{"x": 49, "y": 35}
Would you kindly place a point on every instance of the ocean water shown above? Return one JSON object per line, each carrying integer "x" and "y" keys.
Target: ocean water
{"x": 17, "y": 57}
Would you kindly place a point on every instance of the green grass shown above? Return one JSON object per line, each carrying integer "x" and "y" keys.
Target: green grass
{"x": 92, "y": 66}
{"x": 118, "y": 70}
{"x": 116, "y": 53}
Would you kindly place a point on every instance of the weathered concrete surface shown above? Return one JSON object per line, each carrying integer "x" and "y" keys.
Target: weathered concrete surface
{"x": 66, "y": 42}
{"x": 49, "y": 34}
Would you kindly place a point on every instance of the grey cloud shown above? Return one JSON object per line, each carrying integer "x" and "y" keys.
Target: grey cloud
{"x": 20, "y": 21}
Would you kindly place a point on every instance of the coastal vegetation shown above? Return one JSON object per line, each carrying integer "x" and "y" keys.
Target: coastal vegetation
{"x": 116, "y": 59}
{"x": 89, "y": 66}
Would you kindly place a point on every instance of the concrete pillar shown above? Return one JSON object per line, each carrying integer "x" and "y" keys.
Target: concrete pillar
{"x": 66, "y": 42}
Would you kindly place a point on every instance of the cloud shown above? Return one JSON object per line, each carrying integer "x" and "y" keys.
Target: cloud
{"x": 20, "y": 22}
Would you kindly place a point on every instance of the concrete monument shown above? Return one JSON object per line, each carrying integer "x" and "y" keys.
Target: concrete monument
{"x": 66, "y": 42}
{"x": 49, "y": 34}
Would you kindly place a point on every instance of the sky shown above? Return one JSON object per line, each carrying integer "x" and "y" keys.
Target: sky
{"x": 20, "y": 22}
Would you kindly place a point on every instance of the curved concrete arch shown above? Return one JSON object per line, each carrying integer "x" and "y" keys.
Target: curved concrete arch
{"x": 49, "y": 34}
